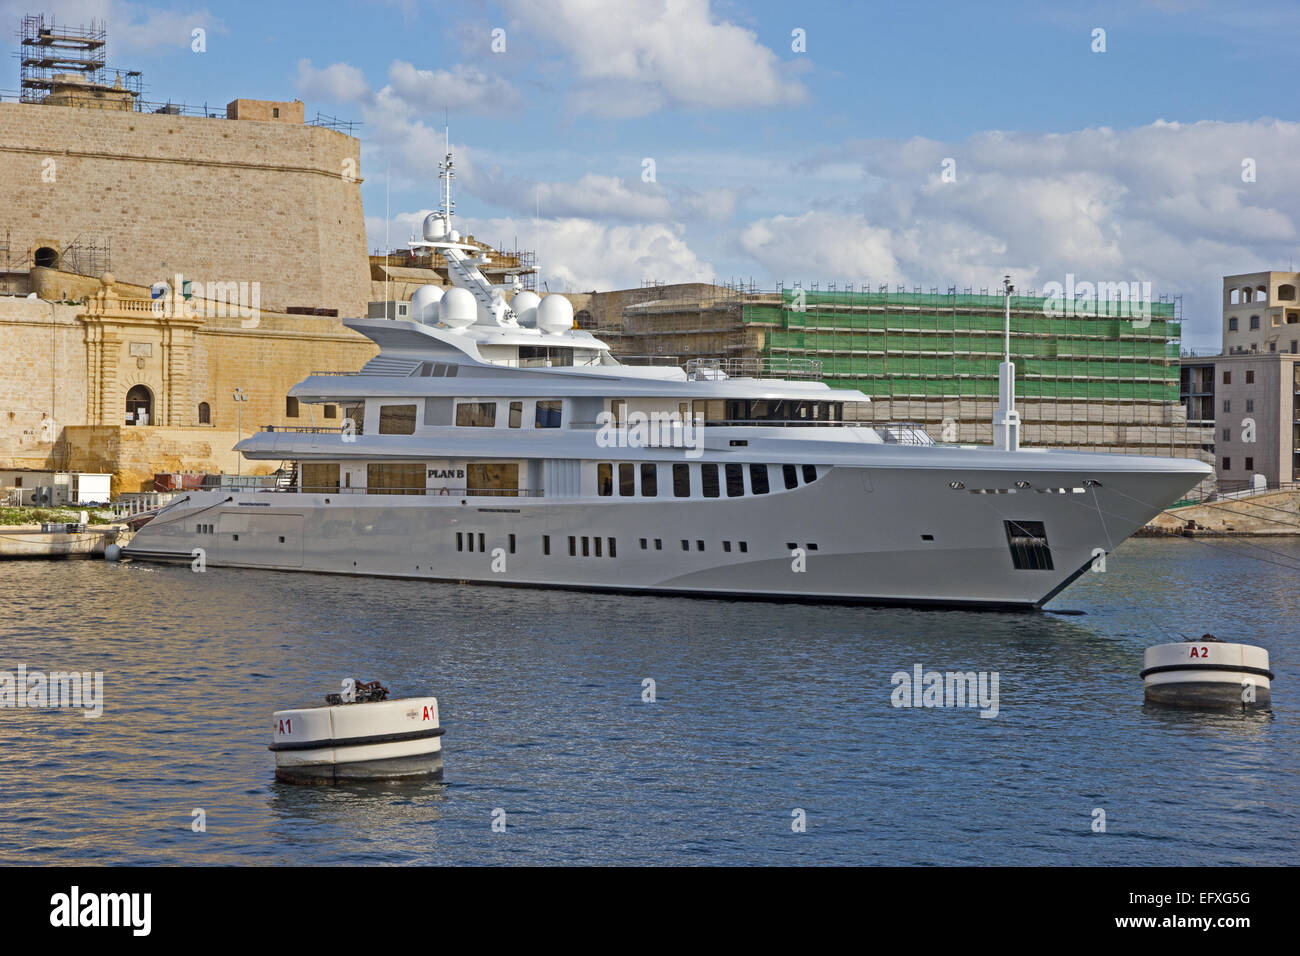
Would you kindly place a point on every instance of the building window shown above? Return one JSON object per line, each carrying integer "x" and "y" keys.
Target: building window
{"x": 1254, "y": 323}
{"x": 1250, "y": 405}
{"x": 275, "y": 112}
{"x": 331, "y": 411}
{"x": 397, "y": 420}
{"x": 1227, "y": 434}
{"x": 649, "y": 480}
{"x": 758, "y": 479}
{"x": 604, "y": 479}
{"x": 1227, "y": 404}
{"x": 1232, "y": 324}
{"x": 1250, "y": 464}
{"x": 205, "y": 413}
{"x": 516, "y": 414}
{"x": 682, "y": 479}
{"x": 1227, "y": 464}
{"x": 1250, "y": 376}
{"x": 474, "y": 415}
{"x": 709, "y": 480}
{"x": 291, "y": 407}
{"x": 548, "y": 414}
{"x": 1227, "y": 378}
{"x": 626, "y": 479}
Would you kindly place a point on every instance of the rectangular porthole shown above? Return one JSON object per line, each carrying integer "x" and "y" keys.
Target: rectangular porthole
{"x": 481, "y": 545}
{"x": 744, "y": 547}
{"x": 686, "y": 545}
{"x": 699, "y": 545}
{"x": 586, "y": 546}
{"x": 546, "y": 544}
{"x": 597, "y": 540}
{"x": 512, "y": 544}
{"x": 573, "y": 546}
{"x": 1028, "y": 543}
{"x": 726, "y": 546}
{"x": 927, "y": 537}
{"x": 643, "y": 544}
{"x": 613, "y": 548}
{"x": 659, "y": 544}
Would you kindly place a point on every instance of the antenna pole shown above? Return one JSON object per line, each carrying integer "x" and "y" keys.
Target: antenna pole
{"x": 1006, "y": 420}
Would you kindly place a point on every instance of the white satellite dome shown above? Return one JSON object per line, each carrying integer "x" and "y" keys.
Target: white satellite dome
{"x": 454, "y": 236}
{"x": 525, "y": 305}
{"x": 555, "y": 314}
{"x": 457, "y": 308}
{"x": 435, "y": 227}
{"x": 424, "y": 303}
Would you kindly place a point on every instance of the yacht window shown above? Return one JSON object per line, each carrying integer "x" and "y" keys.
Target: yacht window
{"x": 744, "y": 547}
{"x": 573, "y": 546}
{"x": 643, "y": 544}
{"x": 682, "y": 481}
{"x": 475, "y": 414}
{"x": 699, "y": 545}
{"x": 758, "y": 479}
{"x": 597, "y": 540}
{"x": 548, "y": 414}
{"x": 709, "y": 480}
{"x": 735, "y": 481}
{"x": 395, "y": 478}
{"x": 320, "y": 476}
{"x": 397, "y": 420}
{"x": 659, "y": 544}
{"x": 649, "y": 480}
{"x": 516, "y": 414}
{"x": 586, "y": 546}
{"x": 711, "y": 410}
{"x": 492, "y": 478}
{"x": 726, "y": 546}
{"x": 626, "y": 479}
{"x": 512, "y": 544}
{"x": 604, "y": 479}
{"x": 809, "y": 474}
{"x": 546, "y": 544}
{"x": 291, "y": 407}
{"x": 790, "y": 475}
{"x": 613, "y": 547}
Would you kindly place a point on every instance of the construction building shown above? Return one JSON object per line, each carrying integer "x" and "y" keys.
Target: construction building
{"x": 1091, "y": 376}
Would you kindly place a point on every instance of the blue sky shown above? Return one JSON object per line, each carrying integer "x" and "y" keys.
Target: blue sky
{"x": 772, "y": 164}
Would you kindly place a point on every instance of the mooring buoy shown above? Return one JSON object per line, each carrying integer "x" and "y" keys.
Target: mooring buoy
{"x": 1207, "y": 672}
{"x": 112, "y": 552}
{"x": 358, "y": 735}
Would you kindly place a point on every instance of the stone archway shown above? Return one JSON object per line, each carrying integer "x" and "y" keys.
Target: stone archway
{"x": 139, "y": 405}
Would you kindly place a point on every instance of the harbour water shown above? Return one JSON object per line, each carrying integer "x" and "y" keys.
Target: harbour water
{"x": 761, "y": 710}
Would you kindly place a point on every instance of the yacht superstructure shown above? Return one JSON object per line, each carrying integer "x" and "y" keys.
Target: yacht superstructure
{"x": 491, "y": 441}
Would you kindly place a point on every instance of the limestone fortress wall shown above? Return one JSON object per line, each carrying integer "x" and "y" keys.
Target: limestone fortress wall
{"x": 270, "y": 201}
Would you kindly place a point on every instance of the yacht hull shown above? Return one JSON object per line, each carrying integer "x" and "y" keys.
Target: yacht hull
{"x": 859, "y": 535}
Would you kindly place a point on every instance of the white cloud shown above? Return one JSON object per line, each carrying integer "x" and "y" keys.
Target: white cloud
{"x": 464, "y": 87}
{"x": 577, "y": 254}
{"x": 336, "y": 83}
{"x": 633, "y": 59}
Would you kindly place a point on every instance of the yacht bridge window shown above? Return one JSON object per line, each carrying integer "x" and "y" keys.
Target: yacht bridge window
{"x": 477, "y": 414}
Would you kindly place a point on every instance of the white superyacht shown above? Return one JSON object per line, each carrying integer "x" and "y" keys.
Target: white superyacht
{"x": 493, "y": 442}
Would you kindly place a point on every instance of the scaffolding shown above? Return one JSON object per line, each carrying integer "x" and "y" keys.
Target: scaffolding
{"x": 60, "y": 58}
{"x": 1100, "y": 375}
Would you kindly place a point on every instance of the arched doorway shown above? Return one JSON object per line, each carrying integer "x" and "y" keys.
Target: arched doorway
{"x": 46, "y": 258}
{"x": 139, "y": 406}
